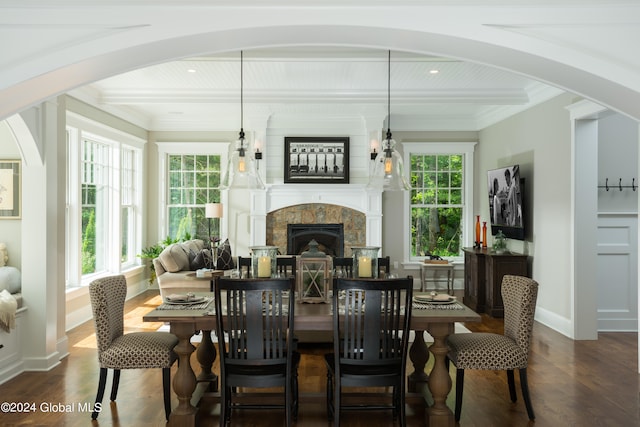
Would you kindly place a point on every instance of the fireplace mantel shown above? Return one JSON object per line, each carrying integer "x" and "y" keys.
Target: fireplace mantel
{"x": 354, "y": 196}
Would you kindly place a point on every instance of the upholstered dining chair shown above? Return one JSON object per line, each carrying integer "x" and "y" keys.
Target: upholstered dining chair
{"x": 254, "y": 320}
{"x": 508, "y": 351}
{"x": 135, "y": 350}
{"x": 370, "y": 339}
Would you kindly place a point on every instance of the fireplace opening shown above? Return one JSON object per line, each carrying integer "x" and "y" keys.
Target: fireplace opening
{"x": 330, "y": 238}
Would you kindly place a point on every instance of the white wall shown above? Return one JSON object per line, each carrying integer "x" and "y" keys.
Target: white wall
{"x": 617, "y": 158}
{"x": 539, "y": 140}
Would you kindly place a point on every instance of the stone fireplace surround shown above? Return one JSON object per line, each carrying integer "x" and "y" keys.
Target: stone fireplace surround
{"x": 355, "y": 206}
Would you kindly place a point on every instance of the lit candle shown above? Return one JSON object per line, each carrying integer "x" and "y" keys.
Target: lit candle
{"x": 364, "y": 266}
{"x": 264, "y": 266}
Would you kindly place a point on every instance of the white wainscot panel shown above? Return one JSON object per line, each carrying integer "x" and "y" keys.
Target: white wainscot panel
{"x": 617, "y": 273}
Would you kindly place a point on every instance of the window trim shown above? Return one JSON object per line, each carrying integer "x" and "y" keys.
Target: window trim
{"x": 208, "y": 148}
{"x": 79, "y": 127}
{"x": 466, "y": 149}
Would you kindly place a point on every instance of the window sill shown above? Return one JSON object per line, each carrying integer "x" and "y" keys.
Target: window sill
{"x": 83, "y": 288}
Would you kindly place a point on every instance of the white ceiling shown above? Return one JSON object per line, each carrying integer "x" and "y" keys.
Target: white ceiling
{"x": 492, "y": 56}
{"x": 204, "y": 93}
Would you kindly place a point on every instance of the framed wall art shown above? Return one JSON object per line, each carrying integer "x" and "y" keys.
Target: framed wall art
{"x": 316, "y": 160}
{"x": 10, "y": 189}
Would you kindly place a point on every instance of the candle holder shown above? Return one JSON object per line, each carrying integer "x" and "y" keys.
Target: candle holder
{"x": 365, "y": 261}
{"x": 263, "y": 260}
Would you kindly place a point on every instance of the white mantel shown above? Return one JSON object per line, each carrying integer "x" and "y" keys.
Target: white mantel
{"x": 354, "y": 196}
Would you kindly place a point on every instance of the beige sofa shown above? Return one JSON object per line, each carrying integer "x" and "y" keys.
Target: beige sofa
{"x": 173, "y": 266}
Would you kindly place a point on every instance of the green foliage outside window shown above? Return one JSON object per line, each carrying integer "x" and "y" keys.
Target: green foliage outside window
{"x": 193, "y": 181}
{"x": 88, "y": 240}
{"x": 436, "y": 204}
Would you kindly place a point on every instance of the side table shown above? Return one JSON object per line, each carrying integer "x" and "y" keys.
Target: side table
{"x": 436, "y": 277}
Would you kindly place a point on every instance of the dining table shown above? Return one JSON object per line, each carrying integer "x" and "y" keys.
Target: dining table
{"x": 437, "y": 319}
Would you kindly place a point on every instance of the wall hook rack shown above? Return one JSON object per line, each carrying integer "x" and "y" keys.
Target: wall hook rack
{"x": 633, "y": 185}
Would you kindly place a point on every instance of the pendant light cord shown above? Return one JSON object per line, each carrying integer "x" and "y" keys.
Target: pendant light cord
{"x": 241, "y": 102}
{"x": 389, "y": 93}
{"x": 241, "y": 106}
{"x": 389, "y": 97}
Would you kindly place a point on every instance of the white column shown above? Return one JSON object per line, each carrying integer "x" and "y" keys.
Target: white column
{"x": 584, "y": 167}
{"x": 43, "y": 191}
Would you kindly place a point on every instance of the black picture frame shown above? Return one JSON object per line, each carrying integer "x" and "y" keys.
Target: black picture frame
{"x": 316, "y": 160}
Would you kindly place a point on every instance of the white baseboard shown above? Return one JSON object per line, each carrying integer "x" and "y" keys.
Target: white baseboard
{"x": 555, "y": 322}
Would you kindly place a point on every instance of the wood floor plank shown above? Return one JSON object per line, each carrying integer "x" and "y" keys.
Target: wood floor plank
{"x": 572, "y": 383}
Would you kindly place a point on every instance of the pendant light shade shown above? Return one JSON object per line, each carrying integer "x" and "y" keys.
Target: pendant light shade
{"x": 241, "y": 170}
{"x": 388, "y": 171}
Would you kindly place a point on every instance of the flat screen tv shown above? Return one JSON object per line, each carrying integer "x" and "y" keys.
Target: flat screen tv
{"x": 506, "y": 211}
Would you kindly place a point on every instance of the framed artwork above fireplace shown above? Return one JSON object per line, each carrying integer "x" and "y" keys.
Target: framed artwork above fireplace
{"x": 313, "y": 160}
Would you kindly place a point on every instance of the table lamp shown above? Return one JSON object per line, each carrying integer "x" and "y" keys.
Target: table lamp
{"x": 212, "y": 210}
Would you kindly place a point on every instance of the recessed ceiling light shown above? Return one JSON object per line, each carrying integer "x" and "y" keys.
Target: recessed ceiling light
{"x": 434, "y": 71}
{"x": 191, "y": 70}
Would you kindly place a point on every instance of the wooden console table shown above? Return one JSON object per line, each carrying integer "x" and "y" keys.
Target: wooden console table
{"x": 483, "y": 272}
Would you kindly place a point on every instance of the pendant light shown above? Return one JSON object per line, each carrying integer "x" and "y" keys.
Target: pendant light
{"x": 241, "y": 170}
{"x": 388, "y": 171}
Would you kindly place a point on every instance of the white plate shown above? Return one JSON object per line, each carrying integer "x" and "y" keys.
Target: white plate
{"x": 429, "y": 300}
{"x": 197, "y": 300}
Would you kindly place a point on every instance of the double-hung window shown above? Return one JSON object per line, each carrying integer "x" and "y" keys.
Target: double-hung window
{"x": 104, "y": 169}
{"x": 192, "y": 173}
{"x": 440, "y": 200}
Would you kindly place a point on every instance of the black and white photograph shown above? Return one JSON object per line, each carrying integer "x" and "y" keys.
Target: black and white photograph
{"x": 316, "y": 160}
{"x": 505, "y": 196}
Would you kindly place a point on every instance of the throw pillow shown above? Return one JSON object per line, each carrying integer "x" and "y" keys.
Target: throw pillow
{"x": 10, "y": 279}
{"x": 225, "y": 260}
{"x": 174, "y": 258}
{"x": 200, "y": 259}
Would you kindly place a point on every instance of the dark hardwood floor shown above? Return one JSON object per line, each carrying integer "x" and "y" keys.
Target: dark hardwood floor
{"x": 572, "y": 383}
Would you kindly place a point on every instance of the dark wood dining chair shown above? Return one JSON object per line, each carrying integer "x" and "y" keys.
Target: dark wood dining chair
{"x": 497, "y": 352}
{"x": 244, "y": 266}
{"x": 255, "y": 323}
{"x": 286, "y": 266}
{"x": 135, "y": 350}
{"x": 384, "y": 266}
{"x": 345, "y": 264}
{"x": 370, "y": 339}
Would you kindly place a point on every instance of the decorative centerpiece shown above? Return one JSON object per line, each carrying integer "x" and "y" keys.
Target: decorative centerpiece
{"x": 314, "y": 275}
{"x": 500, "y": 243}
{"x": 263, "y": 260}
{"x": 365, "y": 261}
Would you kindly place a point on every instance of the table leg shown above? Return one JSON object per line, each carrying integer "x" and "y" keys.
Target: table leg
{"x": 184, "y": 383}
{"x": 439, "y": 415}
{"x": 419, "y": 355}
{"x": 206, "y": 355}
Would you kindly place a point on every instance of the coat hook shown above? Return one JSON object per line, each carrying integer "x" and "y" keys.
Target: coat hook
{"x": 606, "y": 184}
{"x": 620, "y": 184}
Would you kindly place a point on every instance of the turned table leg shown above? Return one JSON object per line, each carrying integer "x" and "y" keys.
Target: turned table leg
{"x": 184, "y": 383}
{"x": 206, "y": 355}
{"x": 439, "y": 415}
{"x": 419, "y": 355}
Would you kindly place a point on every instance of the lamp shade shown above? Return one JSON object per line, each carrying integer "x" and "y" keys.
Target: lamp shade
{"x": 213, "y": 210}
